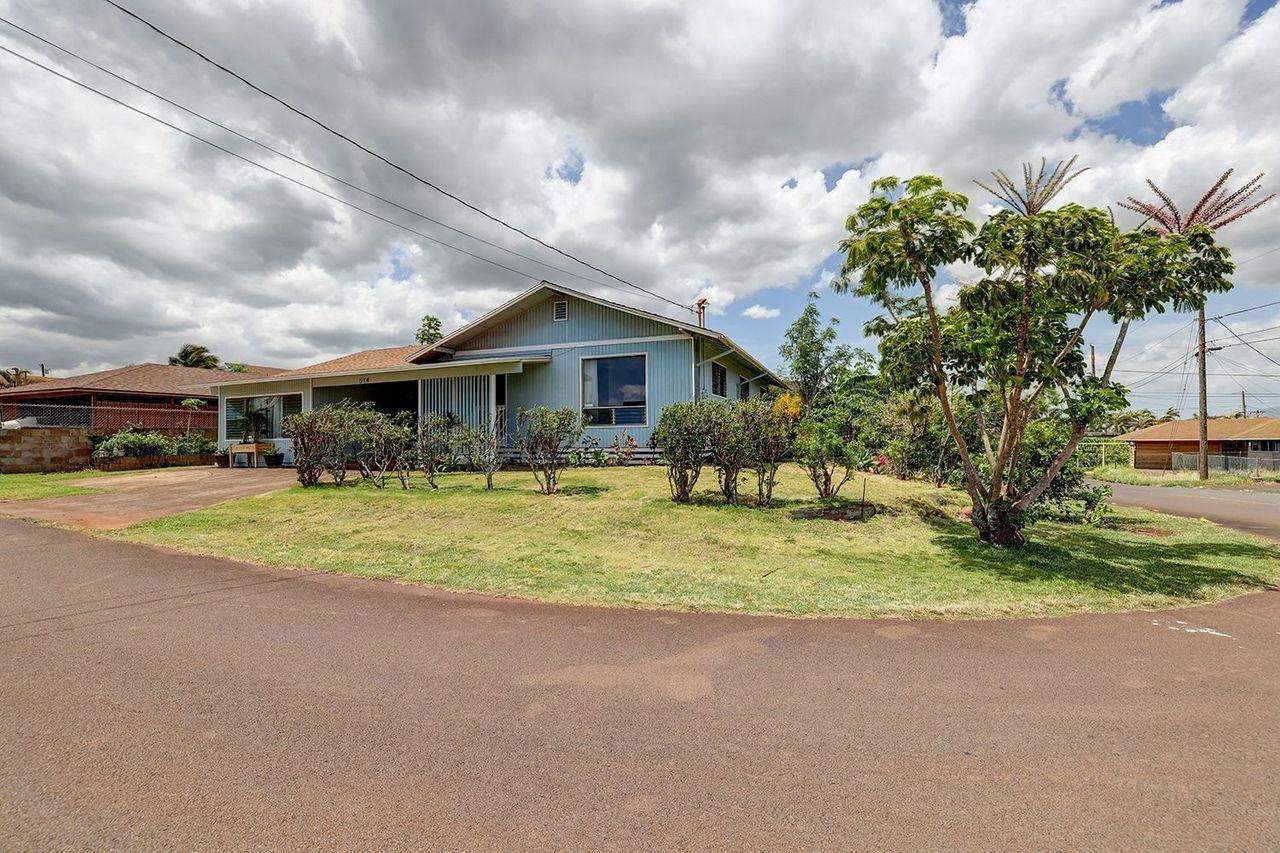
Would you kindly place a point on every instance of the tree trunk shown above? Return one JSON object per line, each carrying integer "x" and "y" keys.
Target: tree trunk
{"x": 998, "y": 524}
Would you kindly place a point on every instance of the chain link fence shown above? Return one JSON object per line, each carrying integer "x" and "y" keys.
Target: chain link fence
{"x": 1252, "y": 464}
{"x": 107, "y": 417}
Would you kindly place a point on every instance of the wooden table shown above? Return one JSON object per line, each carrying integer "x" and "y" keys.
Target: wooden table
{"x": 251, "y": 452}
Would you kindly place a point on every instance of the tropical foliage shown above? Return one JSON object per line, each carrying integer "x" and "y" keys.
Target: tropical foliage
{"x": 195, "y": 355}
{"x": 1014, "y": 337}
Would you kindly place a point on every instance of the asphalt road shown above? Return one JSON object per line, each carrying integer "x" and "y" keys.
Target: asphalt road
{"x": 156, "y": 700}
{"x": 1253, "y": 512}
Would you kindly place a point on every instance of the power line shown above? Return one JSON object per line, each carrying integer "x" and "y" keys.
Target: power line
{"x": 1249, "y": 344}
{"x": 265, "y": 168}
{"x": 1246, "y": 310}
{"x": 1250, "y": 332}
{"x": 300, "y": 162}
{"x": 409, "y": 173}
{"x": 1261, "y": 255}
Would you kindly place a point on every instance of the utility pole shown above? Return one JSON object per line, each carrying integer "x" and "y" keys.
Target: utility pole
{"x": 1244, "y": 407}
{"x": 1203, "y": 466}
{"x": 1093, "y": 359}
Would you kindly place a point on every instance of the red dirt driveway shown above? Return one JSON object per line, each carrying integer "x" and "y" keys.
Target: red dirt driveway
{"x": 127, "y": 499}
{"x": 152, "y": 700}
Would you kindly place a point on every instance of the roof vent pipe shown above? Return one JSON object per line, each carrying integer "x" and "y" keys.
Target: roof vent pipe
{"x": 701, "y": 307}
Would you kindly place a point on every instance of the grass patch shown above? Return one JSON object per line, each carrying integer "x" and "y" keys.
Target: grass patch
{"x": 34, "y": 487}
{"x": 615, "y": 538}
{"x": 1142, "y": 477}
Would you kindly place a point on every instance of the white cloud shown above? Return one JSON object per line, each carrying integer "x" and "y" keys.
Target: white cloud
{"x": 703, "y": 128}
{"x": 759, "y": 312}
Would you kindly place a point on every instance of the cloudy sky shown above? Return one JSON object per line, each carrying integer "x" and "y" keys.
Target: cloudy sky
{"x": 694, "y": 148}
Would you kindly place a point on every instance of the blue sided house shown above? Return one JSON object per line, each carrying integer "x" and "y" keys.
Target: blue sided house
{"x": 550, "y": 346}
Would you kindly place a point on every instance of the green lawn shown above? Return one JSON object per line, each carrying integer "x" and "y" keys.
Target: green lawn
{"x": 33, "y": 487}
{"x": 613, "y": 537}
{"x": 1142, "y": 477}
{"x": 30, "y": 487}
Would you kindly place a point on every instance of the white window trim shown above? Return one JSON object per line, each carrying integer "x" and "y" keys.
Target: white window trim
{"x": 616, "y": 427}
{"x": 554, "y": 304}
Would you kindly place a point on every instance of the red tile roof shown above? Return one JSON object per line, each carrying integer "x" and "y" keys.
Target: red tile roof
{"x": 149, "y": 379}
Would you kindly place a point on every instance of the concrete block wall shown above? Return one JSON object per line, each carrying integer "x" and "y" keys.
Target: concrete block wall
{"x": 40, "y": 450}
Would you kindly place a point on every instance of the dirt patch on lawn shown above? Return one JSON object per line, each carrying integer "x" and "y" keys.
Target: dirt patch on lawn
{"x": 131, "y": 498}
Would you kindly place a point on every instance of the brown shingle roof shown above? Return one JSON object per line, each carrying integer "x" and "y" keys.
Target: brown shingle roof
{"x": 144, "y": 378}
{"x": 1220, "y": 429}
{"x": 370, "y": 359}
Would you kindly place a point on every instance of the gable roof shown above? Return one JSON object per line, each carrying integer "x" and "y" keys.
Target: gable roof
{"x": 369, "y": 359}
{"x": 530, "y": 296}
{"x": 1220, "y": 429}
{"x": 145, "y": 379}
{"x": 416, "y": 355}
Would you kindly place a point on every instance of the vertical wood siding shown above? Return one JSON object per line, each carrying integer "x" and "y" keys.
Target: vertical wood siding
{"x": 558, "y": 384}
{"x": 587, "y": 322}
{"x": 465, "y": 397}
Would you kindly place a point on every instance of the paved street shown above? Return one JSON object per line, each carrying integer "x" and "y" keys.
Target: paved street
{"x": 1253, "y": 512}
{"x": 156, "y": 700}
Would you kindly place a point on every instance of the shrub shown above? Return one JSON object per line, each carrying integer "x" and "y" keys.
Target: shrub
{"x": 543, "y": 437}
{"x": 482, "y": 449}
{"x": 437, "y": 442}
{"x": 132, "y": 442}
{"x": 827, "y": 458}
{"x": 623, "y": 450}
{"x": 382, "y": 443}
{"x": 194, "y": 444}
{"x": 311, "y": 434}
{"x": 729, "y": 446}
{"x": 589, "y": 455}
{"x": 683, "y": 435}
{"x": 768, "y": 433}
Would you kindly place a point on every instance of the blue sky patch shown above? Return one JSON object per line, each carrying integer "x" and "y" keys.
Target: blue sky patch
{"x": 1141, "y": 122}
{"x": 570, "y": 168}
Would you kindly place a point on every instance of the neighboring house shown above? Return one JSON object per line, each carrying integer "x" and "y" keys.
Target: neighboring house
{"x": 550, "y": 346}
{"x": 145, "y": 395}
{"x": 1256, "y": 438}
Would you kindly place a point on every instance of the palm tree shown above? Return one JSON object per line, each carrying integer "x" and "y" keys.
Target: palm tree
{"x": 1216, "y": 208}
{"x": 14, "y": 376}
{"x": 1170, "y": 414}
{"x": 195, "y": 355}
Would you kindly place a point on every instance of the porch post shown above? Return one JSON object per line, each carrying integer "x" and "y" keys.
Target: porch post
{"x": 493, "y": 399}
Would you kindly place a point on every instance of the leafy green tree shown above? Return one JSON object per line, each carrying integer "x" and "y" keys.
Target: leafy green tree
{"x": 195, "y": 355}
{"x": 1018, "y": 330}
{"x": 812, "y": 360}
{"x": 429, "y": 331}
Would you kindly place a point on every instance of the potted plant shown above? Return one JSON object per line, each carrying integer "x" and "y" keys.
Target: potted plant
{"x": 274, "y": 460}
{"x": 252, "y": 423}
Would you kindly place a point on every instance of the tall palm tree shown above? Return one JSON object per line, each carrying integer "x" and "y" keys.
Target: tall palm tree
{"x": 195, "y": 355}
{"x": 1216, "y": 208}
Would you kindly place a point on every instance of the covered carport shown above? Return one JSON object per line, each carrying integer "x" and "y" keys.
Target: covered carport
{"x": 390, "y": 398}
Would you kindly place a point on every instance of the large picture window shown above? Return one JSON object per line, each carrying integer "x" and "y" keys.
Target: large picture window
{"x": 613, "y": 390}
